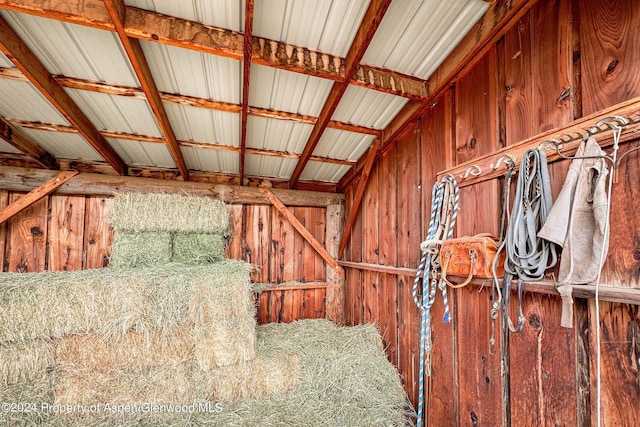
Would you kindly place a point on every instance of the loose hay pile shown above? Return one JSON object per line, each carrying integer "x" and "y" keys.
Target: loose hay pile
{"x": 167, "y": 335}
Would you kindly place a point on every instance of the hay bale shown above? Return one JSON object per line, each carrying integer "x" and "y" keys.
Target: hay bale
{"x": 25, "y": 361}
{"x": 169, "y": 212}
{"x": 166, "y": 384}
{"x": 198, "y": 248}
{"x": 140, "y": 249}
{"x": 257, "y": 379}
{"x": 91, "y": 353}
{"x": 27, "y": 395}
{"x": 111, "y": 302}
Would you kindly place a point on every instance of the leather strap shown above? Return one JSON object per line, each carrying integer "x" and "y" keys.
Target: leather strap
{"x": 473, "y": 257}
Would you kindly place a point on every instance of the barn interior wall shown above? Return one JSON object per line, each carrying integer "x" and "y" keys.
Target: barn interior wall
{"x": 563, "y": 60}
{"x": 72, "y": 232}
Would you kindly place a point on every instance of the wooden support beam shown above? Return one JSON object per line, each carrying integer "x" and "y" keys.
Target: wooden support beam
{"x": 364, "y": 178}
{"x": 155, "y": 27}
{"x": 34, "y": 70}
{"x": 336, "y": 292}
{"x": 191, "y": 101}
{"x": 117, "y": 10}
{"x": 275, "y": 201}
{"x": 371, "y": 21}
{"x": 386, "y": 269}
{"x": 23, "y": 179}
{"x": 22, "y": 142}
{"x": 38, "y": 193}
{"x": 246, "y": 81}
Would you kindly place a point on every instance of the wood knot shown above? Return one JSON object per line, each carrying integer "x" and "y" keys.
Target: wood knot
{"x": 473, "y": 143}
{"x": 535, "y": 322}
{"x": 612, "y": 66}
{"x": 36, "y": 231}
{"x": 474, "y": 418}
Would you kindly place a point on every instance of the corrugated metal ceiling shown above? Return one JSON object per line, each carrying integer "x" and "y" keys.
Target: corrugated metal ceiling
{"x": 202, "y": 90}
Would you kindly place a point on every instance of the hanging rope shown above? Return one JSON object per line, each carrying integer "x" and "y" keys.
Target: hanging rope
{"x": 528, "y": 256}
{"x": 444, "y": 211}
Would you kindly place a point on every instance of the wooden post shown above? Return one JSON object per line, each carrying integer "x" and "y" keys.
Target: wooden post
{"x": 335, "y": 296}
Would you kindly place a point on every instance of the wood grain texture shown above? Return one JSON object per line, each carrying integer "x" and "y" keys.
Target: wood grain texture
{"x": 66, "y": 232}
{"x": 4, "y": 201}
{"x": 620, "y": 352}
{"x": 98, "y": 234}
{"x": 609, "y": 36}
{"x": 256, "y": 241}
{"x": 542, "y": 365}
{"x": 27, "y": 237}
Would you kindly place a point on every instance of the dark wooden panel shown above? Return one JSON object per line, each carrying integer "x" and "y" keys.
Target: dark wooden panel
{"x": 66, "y": 232}
{"x": 27, "y": 236}
{"x": 542, "y": 365}
{"x": 370, "y": 204}
{"x": 552, "y": 67}
{"x": 356, "y": 277}
{"x": 620, "y": 352}
{"x": 318, "y": 229}
{"x": 609, "y": 40}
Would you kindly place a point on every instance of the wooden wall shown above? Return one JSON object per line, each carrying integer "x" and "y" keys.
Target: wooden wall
{"x": 563, "y": 60}
{"x": 70, "y": 232}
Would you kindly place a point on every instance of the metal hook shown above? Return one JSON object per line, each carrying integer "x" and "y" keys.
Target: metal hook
{"x": 619, "y": 120}
{"x": 509, "y": 161}
{"x": 473, "y": 170}
{"x": 550, "y": 145}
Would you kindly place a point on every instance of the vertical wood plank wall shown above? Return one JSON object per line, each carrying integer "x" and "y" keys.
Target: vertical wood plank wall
{"x": 563, "y": 60}
{"x": 65, "y": 233}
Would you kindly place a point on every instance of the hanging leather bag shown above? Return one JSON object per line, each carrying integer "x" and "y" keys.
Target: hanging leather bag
{"x": 469, "y": 257}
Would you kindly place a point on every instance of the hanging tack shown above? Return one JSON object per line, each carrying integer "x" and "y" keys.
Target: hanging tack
{"x": 509, "y": 161}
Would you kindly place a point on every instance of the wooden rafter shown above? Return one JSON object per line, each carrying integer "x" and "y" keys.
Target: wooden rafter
{"x": 191, "y": 101}
{"x": 36, "y": 194}
{"x": 152, "y": 26}
{"x": 117, "y": 10}
{"x": 32, "y": 68}
{"x": 368, "y": 27}
{"x": 246, "y": 81}
{"x": 22, "y": 142}
{"x": 50, "y": 127}
{"x": 300, "y": 228}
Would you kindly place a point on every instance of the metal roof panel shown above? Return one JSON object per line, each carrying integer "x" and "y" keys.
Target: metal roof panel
{"x": 74, "y": 50}
{"x": 203, "y": 125}
{"x": 338, "y": 144}
{"x": 64, "y": 145}
{"x": 366, "y": 107}
{"x": 143, "y": 153}
{"x": 116, "y": 113}
{"x": 204, "y": 159}
{"x": 5, "y": 147}
{"x": 220, "y": 13}
{"x": 279, "y": 135}
{"x": 269, "y": 166}
{"x": 21, "y": 100}
{"x": 327, "y": 172}
{"x": 187, "y": 72}
{"x": 282, "y": 90}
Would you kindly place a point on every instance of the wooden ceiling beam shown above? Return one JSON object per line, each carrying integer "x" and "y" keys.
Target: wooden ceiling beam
{"x": 35, "y": 71}
{"x": 50, "y": 127}
{"x": 191, "y": 101}
{"x": 22, "y": 142}
{"x": 246, "y": 82}
{"x": 23, "y": 179}
{"x": 155, "y": 27}
{"x": 132, "y": 47}
{"x": 370, "y": 22}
